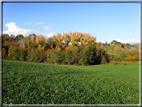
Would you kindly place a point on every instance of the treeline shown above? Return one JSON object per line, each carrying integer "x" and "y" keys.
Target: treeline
{"x": 67, "y": 48}
{"x": 121, "y": 52}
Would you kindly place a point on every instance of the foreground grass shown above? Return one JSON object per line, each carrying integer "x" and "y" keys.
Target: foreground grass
{"x": 33, "y": 83}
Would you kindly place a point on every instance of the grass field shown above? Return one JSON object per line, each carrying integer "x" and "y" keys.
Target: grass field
{"x": 33, "y": 83}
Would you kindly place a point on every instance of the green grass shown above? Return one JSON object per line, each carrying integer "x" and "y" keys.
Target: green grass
{"x": 33, "y": 83}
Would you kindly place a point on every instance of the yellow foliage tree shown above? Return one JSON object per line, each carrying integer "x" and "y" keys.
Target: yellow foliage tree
{"x": 128, "y": 57}
{"x": 62, "y": 40}
{"x": 3, "y": 53}
{"x": 40, "y": 39}
{"x": 11, "y": 52}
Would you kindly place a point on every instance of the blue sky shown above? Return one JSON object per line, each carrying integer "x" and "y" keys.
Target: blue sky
{"x": 105, "y": 21}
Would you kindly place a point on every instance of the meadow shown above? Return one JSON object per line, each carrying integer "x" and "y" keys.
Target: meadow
{"x": 36, "y": 83}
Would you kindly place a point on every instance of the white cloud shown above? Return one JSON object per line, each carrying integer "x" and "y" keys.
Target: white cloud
{"x": 38, "y": 23}
{"x": 47, "y": 28}
{"x": 28, "y": 23}
{"x": 15, "y": 30}
{"x": 48, "y": 35}
{"x": 128, "y": 41}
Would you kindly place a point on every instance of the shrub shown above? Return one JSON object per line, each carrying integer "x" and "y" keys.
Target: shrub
{"x": 138, "y": 63}
{"x": 114, "y": 63}
{"x": 106, "y": 63}
{"x": 123, "y": 63}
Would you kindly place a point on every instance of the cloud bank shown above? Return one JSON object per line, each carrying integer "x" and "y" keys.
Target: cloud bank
{"x": 15, "y": 30}
{"x": 128, "y": 41}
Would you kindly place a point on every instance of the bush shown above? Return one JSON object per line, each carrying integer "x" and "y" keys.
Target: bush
{"x": 138, "y": 63}
{"x": 123, "y": 63}
{"x": 106, "y": 63}
{"x": 114, "y": 63}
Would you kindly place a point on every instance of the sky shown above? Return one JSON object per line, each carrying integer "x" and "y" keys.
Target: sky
{"x": 105, "y": 21}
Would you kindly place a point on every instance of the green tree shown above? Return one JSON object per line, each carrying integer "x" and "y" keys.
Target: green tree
{"x": 19, "y": 37}
{"x": 103, "y": 60}
{"x": 30, "y": 56}
{"x": 53, "y": 56}
{"x": 48, "y": 56}
{"x": 58, "y": 57}
{"x": 68, "y": 56}
{"x": 22, "y": 55}
{"x": 82, "y": 57}
{"x": 75, "y": 56}
{"x": 16, "y": 54}
{"x": 37, "y": 55}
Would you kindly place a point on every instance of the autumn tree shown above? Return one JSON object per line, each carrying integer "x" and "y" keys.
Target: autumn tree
{"x": 40, "y": 39}
{"x": 4, "y": 55}
{"x": 51, "y": 43}
{"x": 11, "y": 52}
{"x": 19, "y": 37}
{"x": 128, "y": 57}
{"x": 22, "y": 44}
